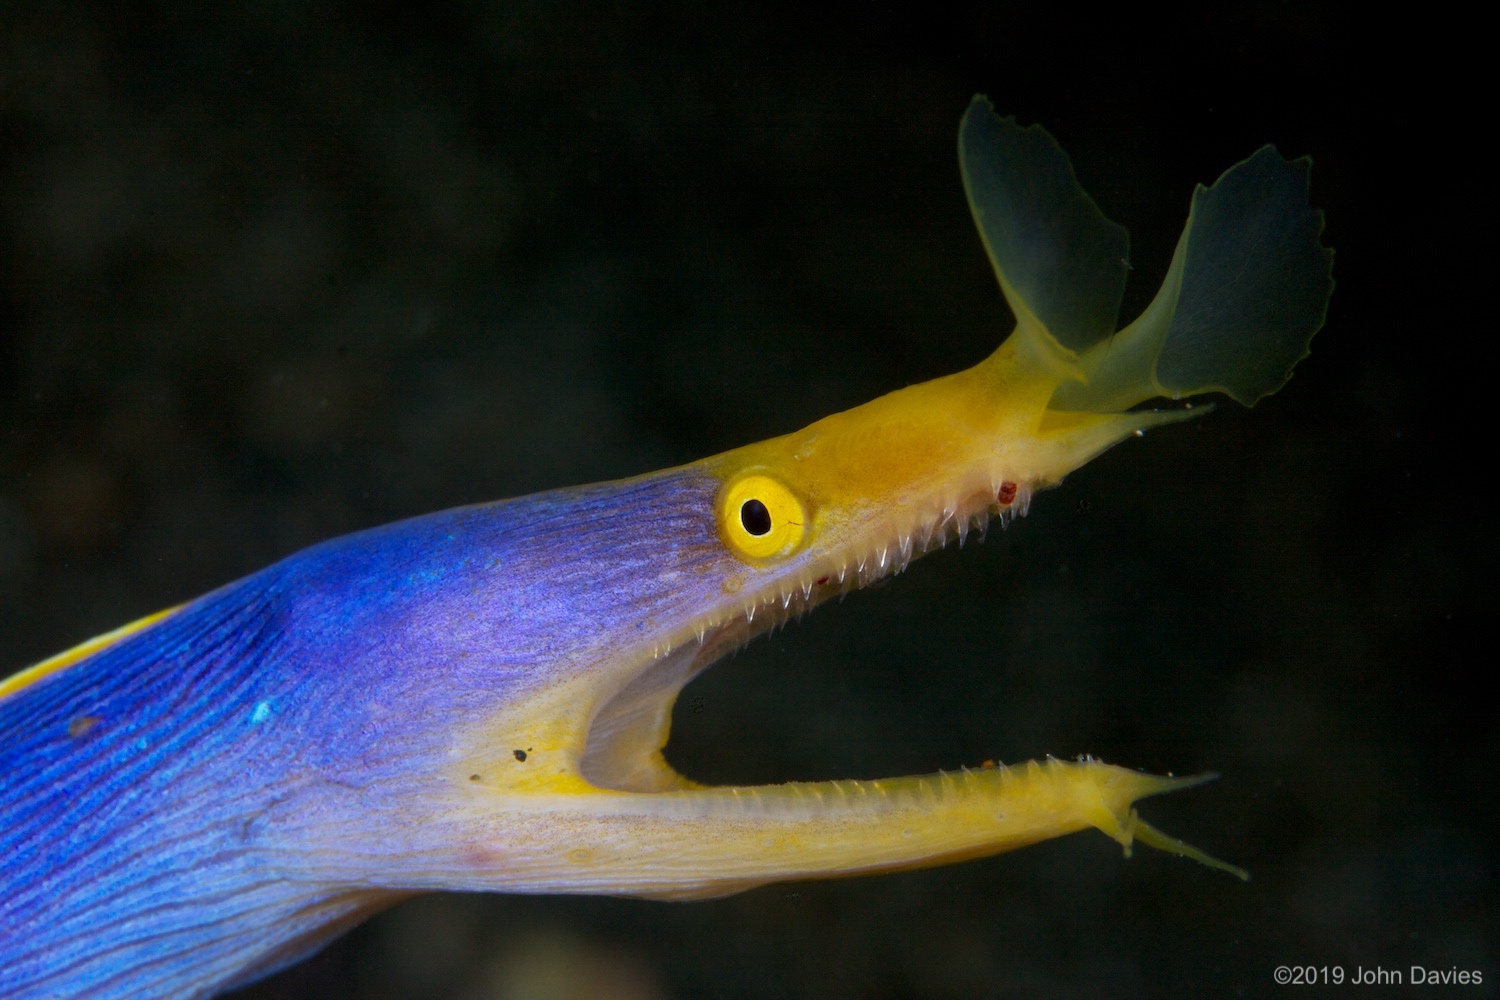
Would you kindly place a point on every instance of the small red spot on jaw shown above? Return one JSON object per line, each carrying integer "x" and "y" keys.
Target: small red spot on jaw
{"x": 822, "y": 580}
{"x": 1007, "y": 494}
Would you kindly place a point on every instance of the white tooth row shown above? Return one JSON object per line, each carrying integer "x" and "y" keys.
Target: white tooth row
{"x": 874, "y": 565}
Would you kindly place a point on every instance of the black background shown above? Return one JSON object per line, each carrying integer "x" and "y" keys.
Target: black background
{"x": 275, "y": 274}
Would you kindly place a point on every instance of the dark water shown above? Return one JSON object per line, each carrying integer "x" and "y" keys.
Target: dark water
{"x": 276, "y": 275}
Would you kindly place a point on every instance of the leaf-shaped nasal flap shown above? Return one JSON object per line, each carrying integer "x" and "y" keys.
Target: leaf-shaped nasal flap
{"x": 1255, "y": 282}
{"x": 1058, "y": 258}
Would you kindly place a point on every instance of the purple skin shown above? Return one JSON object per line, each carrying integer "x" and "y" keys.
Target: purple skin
{"x": 256, "y": 773}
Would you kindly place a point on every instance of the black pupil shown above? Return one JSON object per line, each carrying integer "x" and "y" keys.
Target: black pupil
{"x": 755, "y": 517}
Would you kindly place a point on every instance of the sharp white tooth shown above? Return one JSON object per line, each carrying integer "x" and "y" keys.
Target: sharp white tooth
{"x": 882, "y": 558}
{"x": 786, "y": 599}
{"x": 806, "y": 589}
{"x": 749, "y": 614}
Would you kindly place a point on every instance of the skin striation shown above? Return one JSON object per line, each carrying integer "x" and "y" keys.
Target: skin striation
{"x": 478, "y": 699}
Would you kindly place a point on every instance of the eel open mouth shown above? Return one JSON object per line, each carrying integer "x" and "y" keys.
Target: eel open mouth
{"x": 619, "y": 819}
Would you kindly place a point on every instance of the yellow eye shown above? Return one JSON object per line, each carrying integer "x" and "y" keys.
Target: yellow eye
{"x": 760, "y": 518}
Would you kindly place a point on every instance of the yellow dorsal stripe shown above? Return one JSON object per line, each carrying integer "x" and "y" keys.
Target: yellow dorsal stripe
{"x": 82, "y": 651}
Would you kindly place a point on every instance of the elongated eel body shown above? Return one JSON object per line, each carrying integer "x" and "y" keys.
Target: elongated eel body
{"x": 478, "y": 699}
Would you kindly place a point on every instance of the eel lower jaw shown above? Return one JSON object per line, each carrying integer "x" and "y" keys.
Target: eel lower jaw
{"x": 606, "y": 813}
{"x": 699, "y": 842}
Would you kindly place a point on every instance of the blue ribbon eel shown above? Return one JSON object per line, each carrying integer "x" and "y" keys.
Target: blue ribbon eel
{"x": 478, "y": 699}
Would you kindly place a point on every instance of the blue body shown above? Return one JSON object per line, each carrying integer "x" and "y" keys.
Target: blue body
{"x": 261, "y": 770}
